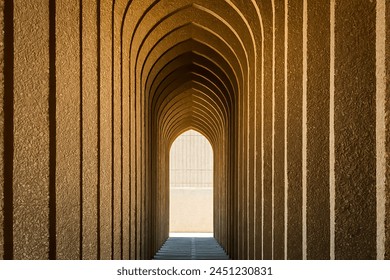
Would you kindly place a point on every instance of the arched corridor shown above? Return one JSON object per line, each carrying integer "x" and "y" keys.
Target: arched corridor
{"x": 293, "y": 96}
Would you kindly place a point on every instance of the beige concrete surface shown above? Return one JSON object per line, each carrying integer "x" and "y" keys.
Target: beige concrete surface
{"x": 292, "y": 96}
{"x": 31, "y": 131}
{"x": 191, "y": 210}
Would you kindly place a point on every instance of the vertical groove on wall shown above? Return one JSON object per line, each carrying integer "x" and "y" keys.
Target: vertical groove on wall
{"x": 257, "y": 160}
{"x": 98, "y": 66}
{"x": 112, "y": 134}
{"x": 381, "y": 126}
{"x": 122, "y": 124}
{"x": 304, "y": 132}
{"x": 52, "y": 130}
{"x": 387, "y": 221}
{"x": 259, "y": 170}
{"x": 135, "y": 180}
{"x": 130, "y": 169}
{"x": 285, "y": 130}
{"x": 121, "y": 145}
{"x": 262, "y": 145}
{"x": 2, "y": 162}
{"x": 8, "y": 128}
{"x": 279, "y": 132}
{"x": 332, "y": 178}
{"x": 81, "y": 124}
{"x": 273, "y": 134}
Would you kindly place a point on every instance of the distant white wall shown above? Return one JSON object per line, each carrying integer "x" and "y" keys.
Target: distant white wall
{"x": 191, "y": 184}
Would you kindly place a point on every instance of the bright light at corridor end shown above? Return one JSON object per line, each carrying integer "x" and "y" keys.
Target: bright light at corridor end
{"x": 191, "y": 186}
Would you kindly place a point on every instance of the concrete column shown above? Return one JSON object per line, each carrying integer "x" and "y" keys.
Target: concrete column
{"x": 31, "y": 131}
{"x": 68, "y": 121}
{"x": 317, "y": 56}
{"x": 126, "y": 221}
{"x": 89, "y": 132}
{"x": 294, "y": 129}
{"x": 354, "y": 126}
{"x": 267, "y": 104}
{"x": 279, "y": 143}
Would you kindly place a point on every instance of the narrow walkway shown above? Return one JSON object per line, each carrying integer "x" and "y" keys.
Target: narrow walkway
{"x": 191, "y": 248}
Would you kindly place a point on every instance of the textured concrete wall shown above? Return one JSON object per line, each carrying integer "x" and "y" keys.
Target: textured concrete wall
{"x": 294, "y": 147}
{"x": 317, "y": 64}
{"x": 292, "y": 95}
{"x": 68, "y": 130}
{"x": 89, "y": 136}
{"x": 104, "y": 129}
{"x": 354, "y": 124}
{"x": 31, "y": 131}
{"x": 61, "y": 199}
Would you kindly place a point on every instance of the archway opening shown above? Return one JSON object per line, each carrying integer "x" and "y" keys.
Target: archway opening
{"x": 191, "y": 186}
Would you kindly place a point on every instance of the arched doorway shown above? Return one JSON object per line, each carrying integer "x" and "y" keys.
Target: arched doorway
{"x": 191, "y": 186}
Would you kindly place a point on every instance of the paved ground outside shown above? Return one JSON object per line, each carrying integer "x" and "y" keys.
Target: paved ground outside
{"x": 191, "y": 248}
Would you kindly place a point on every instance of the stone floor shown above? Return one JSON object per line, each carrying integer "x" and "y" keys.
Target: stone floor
{"x": 191, "y": 248}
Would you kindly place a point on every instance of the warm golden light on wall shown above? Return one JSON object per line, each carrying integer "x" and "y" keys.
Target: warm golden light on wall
{"x": 293, "y": 97}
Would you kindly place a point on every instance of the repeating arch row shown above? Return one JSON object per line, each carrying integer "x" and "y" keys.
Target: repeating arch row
{"x": 292, "y": 95}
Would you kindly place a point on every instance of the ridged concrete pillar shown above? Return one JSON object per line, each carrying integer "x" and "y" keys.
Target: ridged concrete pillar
{"x": 68, "y": 129}
{"x": 279, "y": 132}
{"x": 104, "y": 130}
{"x": 316, "y": 126}
{"x": 89, "y": 136}
{"x": 354, "y": 130}
{"x": 30, "y": 147}
{"x": 267, "y": 103}
{"x": 294, "y": 45}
